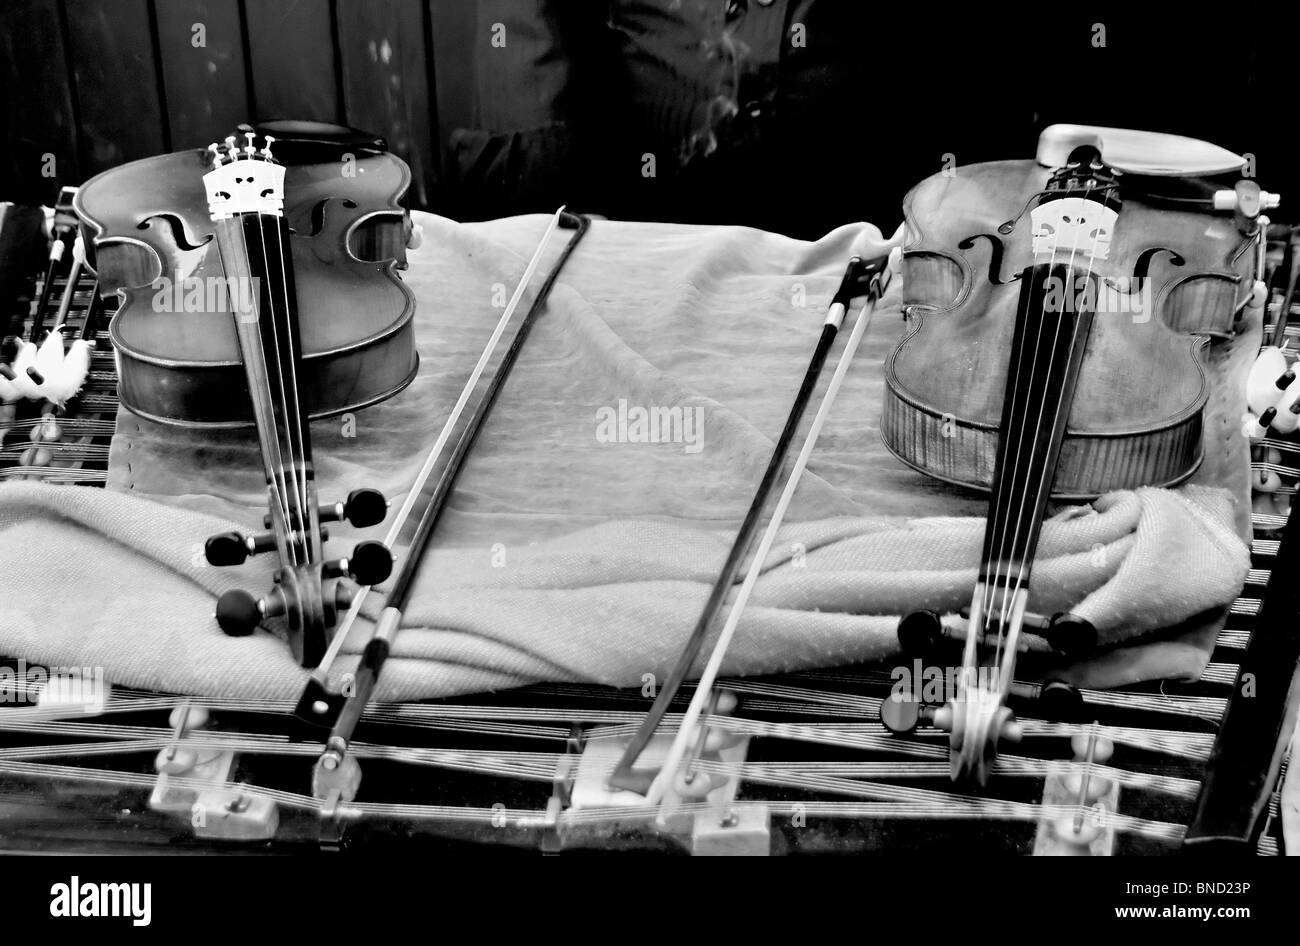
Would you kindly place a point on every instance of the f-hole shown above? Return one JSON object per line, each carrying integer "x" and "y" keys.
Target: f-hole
{"x": 1141, "y": 270}
{"x": 996, "y": 251}
{"x": 318, "y": 213}
{"x": 176, "y": 227}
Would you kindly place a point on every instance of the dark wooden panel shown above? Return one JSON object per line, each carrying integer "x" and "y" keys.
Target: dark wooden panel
{"x": 453, "y": 25}
{"x": 115, "y": 78}
{"x": 205, "y": 86}
{"x": 291, "y": 47}
{"x": 39, "y": 115}
{"x": 385, "y": 83}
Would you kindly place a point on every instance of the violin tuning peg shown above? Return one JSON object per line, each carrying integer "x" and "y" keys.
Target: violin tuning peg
{"x": 1288, "y": 410}
{"x": 920, "y": 632}
{"x": 902, "y": 713}
{"x": 370, "y": 563}
{"x": 362, "y": 508}
{"x": 1071, "y": 635}
{"x": 232, "y": 548}
{"x": 239, "y": 613}
{"x": 365, "y": 507}
{"x": 1256, "y": 428}
{"x": 1060, "y": 701}
{"x": 225, "y": 549}
{"x": 267, "y": 141}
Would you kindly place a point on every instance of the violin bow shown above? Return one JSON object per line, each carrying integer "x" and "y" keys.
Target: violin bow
{"x": 862, "y": 277}
{"x": 319, "y": 706}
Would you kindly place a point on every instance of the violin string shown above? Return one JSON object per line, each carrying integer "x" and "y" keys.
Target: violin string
{"x": 284, "y": 427}
{"x": 299, "y": 419}
{"x": 1004, "y": 555}
{"x": 998, "y": 522}
{"x": 989, "y": 590}
{"x": 1024, "y": 498}
{"x": 275, "y": 463}
{"x": 1063, "y": 404}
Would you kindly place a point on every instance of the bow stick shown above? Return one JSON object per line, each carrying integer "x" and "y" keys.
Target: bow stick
{"x": 869, "y": 278}
{"x": 337, "y": 775}
{"x": 343, "y": 714}
{"x": 318, "y": 705}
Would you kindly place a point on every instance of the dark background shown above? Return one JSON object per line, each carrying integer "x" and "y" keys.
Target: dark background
{"x": 834, "y": 131}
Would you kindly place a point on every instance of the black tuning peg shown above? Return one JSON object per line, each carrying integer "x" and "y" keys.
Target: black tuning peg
{"x": 1061, "y": 702}
{"x": 920, "y": 632}
{"x": 369, "y": 564}
{"x": 1071, "y": 635}
{"x": 238, "y": 613}
{"x": 232, "y": 548}
{"x": 362, "y": 508}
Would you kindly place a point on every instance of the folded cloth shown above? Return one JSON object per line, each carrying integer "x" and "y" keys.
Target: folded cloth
{"x": 579, "y": 543}
{"x": 606, "y": 604}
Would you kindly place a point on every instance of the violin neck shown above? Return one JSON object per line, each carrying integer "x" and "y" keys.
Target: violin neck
{"x": 256, "y": 256}
{"x": 1051, "y": 336}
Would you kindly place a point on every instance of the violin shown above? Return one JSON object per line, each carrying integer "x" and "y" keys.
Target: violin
{"x": 243, "y": 303}
{"x": 1059, "y": 320}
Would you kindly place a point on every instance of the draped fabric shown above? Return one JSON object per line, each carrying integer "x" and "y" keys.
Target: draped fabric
{"x": 587, "y": 525}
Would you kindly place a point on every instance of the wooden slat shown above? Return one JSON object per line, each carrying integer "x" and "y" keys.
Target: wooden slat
{"x": 453, "y": 24}
{"x": 116, "y": 81}
{"x": 291, "y": 48}
{"x": 206, "y": 89}
{"x": 385, "y": 81}
{"x": 34, "y": 70}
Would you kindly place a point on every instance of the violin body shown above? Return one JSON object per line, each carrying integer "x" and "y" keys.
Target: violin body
{"x": 1060, "y": 321}
{"x": 178, "y": 353}
{"x": 245, "y": 303}
{"x": 1173, "y": 278}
